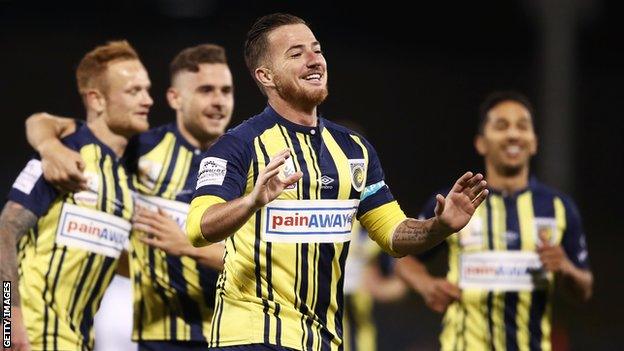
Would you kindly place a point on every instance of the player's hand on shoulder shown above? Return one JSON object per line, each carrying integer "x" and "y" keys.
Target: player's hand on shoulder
{"x": 62, "y": 167}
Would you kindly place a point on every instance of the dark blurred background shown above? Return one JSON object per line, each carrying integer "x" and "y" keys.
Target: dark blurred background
{"x": 412, "y": 74}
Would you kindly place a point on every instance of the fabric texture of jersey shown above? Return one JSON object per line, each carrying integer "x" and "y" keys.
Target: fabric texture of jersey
{"x": 61, "y": 286}
{"x": 287, "y": 294}
{"x": 173, "y": 296}
{"x": 359, "y": 330}
{"x": 509, "y": 320}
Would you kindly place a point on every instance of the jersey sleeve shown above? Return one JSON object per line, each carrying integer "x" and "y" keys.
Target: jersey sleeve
{"x": 223, "y": 169}
{"x": 573, "y": 240}
{"x": 376, "y": 192}
{"x": 31, "y": 190}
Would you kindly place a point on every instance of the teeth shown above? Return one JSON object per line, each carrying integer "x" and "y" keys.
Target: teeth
{"x": 313, "y": 76}
{"x": 513, "y": 149}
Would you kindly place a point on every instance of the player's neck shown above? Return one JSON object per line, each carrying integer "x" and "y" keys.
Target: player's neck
{"x": 200, "y": 144}
{"x": 299, "y": 115}
{"x": 507, "y": 183}
{"x": 115, "y": 142}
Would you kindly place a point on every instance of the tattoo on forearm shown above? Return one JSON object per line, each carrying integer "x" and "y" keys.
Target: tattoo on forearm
{"x": 15, "y": 221}
{"x": 412, "y": 230}
{"x": 415, "y": 236}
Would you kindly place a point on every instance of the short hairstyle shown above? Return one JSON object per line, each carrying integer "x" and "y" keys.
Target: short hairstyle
{"x": 94, "y": 64}
{"x": 257, "y": 43}
{"x": 189, "y": 59}
{"x": 496, "y": 98}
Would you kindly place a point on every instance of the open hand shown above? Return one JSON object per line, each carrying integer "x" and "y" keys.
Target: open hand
{"x": 454, "y": 211}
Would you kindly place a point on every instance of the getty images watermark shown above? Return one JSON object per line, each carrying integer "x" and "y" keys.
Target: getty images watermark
{"x": 6, "y": 314}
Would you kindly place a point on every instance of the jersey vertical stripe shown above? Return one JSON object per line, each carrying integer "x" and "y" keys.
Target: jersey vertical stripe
{"x": 284, "y": 293}
{"x": 514, "y": 320}
{"x": 63, "y": 284}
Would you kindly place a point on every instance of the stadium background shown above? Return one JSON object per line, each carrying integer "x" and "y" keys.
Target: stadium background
{"x": 412, "y": 77}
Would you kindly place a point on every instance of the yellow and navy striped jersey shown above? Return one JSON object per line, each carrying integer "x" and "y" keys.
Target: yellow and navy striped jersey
{"x": 68, "y": 259}
{"x": 284, "y": 269}
{"x": 173, "y": 296}
{"x": 359, "y": 330}
{"x": 498, "y": 310}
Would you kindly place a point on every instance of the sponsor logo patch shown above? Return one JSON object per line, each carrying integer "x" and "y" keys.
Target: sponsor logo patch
{"x": 307, "y": 221}
{"x": 92, "y": 230}
{"x": 502, "y": 271}
{"x": 212, "y": 171}
{"x": 176, "y": 210}
{"x": 27, "y": 178}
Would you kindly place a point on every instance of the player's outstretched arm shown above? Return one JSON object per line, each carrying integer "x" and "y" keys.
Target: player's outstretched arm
{"x": 15, "y": 221}
{"x": 221, "y": 220}
{"x": 61, "y": 165}
{"x": 452, "y": 213}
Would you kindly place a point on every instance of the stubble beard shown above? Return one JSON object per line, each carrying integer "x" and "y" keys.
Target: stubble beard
{"x": 300, "y": 97}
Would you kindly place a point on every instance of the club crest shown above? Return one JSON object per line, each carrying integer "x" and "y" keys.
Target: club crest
{"x": 358, "y": 173}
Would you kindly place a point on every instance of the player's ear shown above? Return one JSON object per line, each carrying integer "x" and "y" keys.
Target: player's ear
{"x": 479, "y": 144}
{"x": 95, "y": 100}
{"x": 533, "y": 146}
{"x": 265, "y": 77}
{"x": 173, "y": 98}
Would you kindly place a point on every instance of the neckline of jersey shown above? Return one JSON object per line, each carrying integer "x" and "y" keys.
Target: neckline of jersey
{"x": 294, "y": 126}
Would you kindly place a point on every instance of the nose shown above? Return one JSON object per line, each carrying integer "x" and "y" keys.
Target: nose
{"x": 218, "y": 99}
{"x": 147, "y": 99}
{"x": 513, "y": 133}
{"x": 314, "y": 59}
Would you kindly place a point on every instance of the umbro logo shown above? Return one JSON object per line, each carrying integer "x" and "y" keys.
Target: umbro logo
{"x": 325, "y": 180}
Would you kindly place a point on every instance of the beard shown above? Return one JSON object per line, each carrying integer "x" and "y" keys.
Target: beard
{"x": 298, "y": 96}
{"x": 510, "y": 170}
{"x": 200, "y": 132}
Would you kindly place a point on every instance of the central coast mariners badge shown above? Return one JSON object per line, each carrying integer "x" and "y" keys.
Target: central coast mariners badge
{"x": 288, "y": 169}
{"x": 358, "y": 173}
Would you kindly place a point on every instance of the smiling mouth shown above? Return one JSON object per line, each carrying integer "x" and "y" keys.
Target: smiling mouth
{"x": 215, "y": 116}
{"x": 512, "y": 150}
{"x": 313, "y": 77}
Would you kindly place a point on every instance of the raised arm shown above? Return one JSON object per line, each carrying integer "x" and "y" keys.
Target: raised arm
{"x": 61, "y": 166}
{"x": 15, "y": 221}
{"x": 452, "y": 213}
{"x": 212, "y": 220}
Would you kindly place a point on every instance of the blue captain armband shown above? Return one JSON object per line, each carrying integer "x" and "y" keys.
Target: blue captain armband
{"x": 372, "y": 189}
